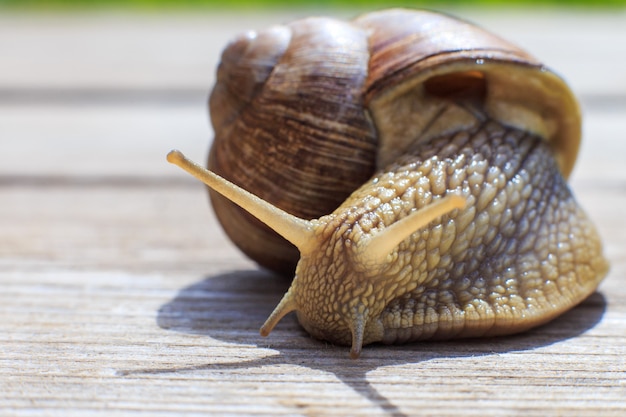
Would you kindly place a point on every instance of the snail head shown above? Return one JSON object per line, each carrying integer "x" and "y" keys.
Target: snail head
{"x": 333, "y": 289}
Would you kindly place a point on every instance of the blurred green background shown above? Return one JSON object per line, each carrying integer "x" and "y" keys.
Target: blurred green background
{"x": 186, "y": 4}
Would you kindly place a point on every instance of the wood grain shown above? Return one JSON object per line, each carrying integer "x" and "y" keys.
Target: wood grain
{"x": 121, "y": 296}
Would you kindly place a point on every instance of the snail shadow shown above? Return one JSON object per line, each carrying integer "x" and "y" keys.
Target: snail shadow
{"x": 231, "y": 307}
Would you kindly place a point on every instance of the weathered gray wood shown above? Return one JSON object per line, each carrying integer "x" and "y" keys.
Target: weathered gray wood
{"x": 121, "y": 296}
{"x": 148, "y": 52}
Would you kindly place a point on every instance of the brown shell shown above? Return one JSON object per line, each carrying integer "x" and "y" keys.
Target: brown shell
{"x": 304, "y": 113}
{"x": 294, "y": 128}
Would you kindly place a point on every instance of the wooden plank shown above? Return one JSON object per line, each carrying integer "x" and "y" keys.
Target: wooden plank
{"x": 92, "y": 139}
{"x": 89, "y": 140}
{"x": 122, "y": 308}
{"x": 180, "y": 51}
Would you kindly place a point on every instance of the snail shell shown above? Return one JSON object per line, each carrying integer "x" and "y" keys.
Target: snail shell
{"x": 326, "y": 103}
{"x": 417, "y": 163}
{"x": 279, "y": 95}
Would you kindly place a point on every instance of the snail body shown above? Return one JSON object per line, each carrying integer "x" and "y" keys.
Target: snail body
{"x": 463, "y": 224}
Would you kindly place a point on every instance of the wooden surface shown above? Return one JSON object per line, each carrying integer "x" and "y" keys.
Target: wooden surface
{"x": 121, "y": 296}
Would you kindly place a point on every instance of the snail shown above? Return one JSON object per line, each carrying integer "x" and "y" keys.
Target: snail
{"x": 416, "y": 165}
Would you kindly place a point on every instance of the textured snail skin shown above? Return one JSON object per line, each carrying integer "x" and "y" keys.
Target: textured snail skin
{"x": 519, "y": 254}
{"x": 467, "y": 227}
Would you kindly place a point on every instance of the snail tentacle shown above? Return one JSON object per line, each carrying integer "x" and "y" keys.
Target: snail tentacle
{"x": 286, "y": 305}
{"x": 373, "y": 251}
{"x": 294, "y": 229}
{"x": 358, "y": 329}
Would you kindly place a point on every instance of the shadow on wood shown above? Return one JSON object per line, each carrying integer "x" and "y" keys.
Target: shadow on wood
{"x": 231, "y": 307}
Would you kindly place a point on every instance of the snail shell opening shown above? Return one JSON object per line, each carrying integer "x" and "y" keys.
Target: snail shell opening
{"x": 516, "y": 89}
